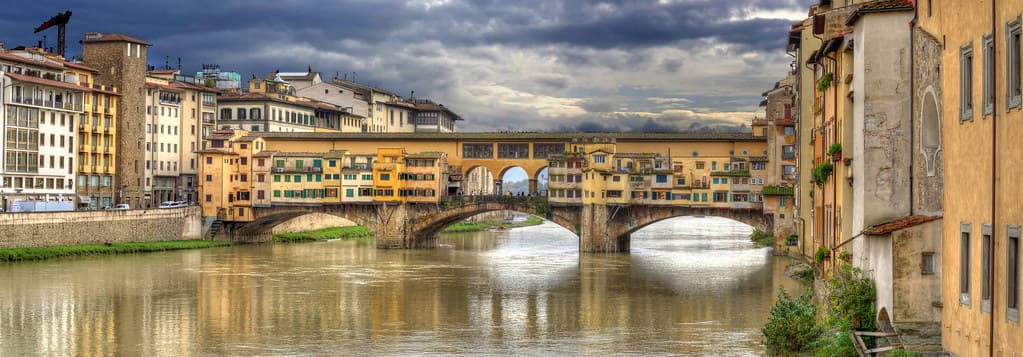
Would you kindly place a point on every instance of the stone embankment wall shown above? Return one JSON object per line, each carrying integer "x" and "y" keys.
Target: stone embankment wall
{"x": 43, "y": 229}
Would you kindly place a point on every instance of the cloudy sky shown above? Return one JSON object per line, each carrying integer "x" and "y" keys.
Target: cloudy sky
{"x": 634, "y": 65}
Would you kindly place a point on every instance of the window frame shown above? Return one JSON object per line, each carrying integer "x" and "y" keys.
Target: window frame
{"x": 966, "y": 104}
{"x": 1012, "y": 73}
{"x": 986, "y": 281}
{"x": 988, "y": 89}
{"x": 1012, "y": 232}
{"x": 965, "y": 230}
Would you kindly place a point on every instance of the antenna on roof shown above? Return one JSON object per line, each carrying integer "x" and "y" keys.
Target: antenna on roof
{"x": 179, "y": 63}
{"x": 166, "y": 62}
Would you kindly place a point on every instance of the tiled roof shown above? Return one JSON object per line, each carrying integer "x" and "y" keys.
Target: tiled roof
{"x": 114, "y": 37}
{"x": 879, "y": 6}
{"x": 163, "y": 71}
{"x": 194, "y": 86}
{"x": 257, "y": 97}
{"x": 80, "y": 66}
{"x": 215, "y": 151}
{"x": 47, "y": 82}
{"x": 163, "y": 86}
{"x": 899, "y": 224}
{"x": 26, "y": 60}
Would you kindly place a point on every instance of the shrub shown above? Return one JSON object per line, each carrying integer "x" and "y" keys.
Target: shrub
{"x": 792, "y": 326}
{"x": 761, "y": 239}
{"x": 820, "y": 255}
{"x": 902, "y": 353}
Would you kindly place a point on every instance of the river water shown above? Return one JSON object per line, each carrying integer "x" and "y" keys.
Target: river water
{"x": 689, "y": 286}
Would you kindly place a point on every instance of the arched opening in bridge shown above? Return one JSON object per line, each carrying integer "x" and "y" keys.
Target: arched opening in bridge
{"x": 694, "y": 233}
{"x": 478, "y": 181}
{"x": 506, "y": 229}
{"x": 310, "y": 222}
{"x": 541, "y": 182}
{"x": 515, "y": 181}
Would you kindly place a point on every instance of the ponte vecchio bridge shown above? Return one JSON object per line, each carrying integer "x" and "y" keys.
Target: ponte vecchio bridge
{"x": 602, "y": 218}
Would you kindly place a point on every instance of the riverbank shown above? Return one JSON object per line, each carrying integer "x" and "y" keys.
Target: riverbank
{"x": 484, "y": 225}
{"x": 43, "y": 253}
{"x": 321, "y": 234}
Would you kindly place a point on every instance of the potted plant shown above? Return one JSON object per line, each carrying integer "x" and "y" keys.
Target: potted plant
{"x": 835, "y": 151}
{"x": 847, "y": 161}
{"x": 845, "y": 256}
{"x": 822, "y": 254}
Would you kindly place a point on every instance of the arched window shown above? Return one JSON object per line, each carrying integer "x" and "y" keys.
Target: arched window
{"x": 255, "y": 114}
{"x": 225, "y": 114}
{"x": 930, "y": 124}
{"x": 241, "y": 113}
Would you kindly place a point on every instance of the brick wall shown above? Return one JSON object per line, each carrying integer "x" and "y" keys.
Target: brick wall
{"x": 86, "y": 227}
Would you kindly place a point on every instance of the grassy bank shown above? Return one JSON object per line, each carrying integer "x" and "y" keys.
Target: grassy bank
{"x": 326, "y": 233}
{"x": 482, "y": 226}
{"x": 41, "y": 253}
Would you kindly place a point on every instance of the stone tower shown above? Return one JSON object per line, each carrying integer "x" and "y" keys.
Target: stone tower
{"x": 121, "y": 61}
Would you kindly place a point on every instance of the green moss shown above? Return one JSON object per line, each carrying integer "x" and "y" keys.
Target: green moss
{"x": 41, "y": 253}
{"x": 482, "y": 226}
{"x": 326, "y": 233}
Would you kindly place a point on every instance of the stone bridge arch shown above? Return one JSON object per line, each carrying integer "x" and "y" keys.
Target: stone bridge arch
{"x": 609, "y": 228}
{"x": 408, "y": 225}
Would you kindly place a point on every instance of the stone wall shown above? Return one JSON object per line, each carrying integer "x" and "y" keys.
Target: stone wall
{"x": 928, "y": 160}
{"x": 90, "y": 227}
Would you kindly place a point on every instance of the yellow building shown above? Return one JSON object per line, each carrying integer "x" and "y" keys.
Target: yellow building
{"x": 967, "y": 62}
{"x": 387, "y": 168}
{"x": 426, "y": 177}
{"x": 97, "y": 140}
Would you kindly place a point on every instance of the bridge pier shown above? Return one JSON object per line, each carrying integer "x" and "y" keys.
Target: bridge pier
{"x": 393, "y": 229}
{"x": 599, "y": 232}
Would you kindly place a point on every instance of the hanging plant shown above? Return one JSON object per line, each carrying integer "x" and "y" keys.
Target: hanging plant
{"x": 824, "y": 82}
{"x": 821, "y": 173}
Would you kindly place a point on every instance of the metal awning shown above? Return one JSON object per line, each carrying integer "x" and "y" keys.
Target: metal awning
{"x": 84, "y": 199}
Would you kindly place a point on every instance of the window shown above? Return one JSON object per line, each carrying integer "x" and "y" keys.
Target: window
{"x": 985, "y": 268}
{"x": 789, "y": 131}
{"x": 927, "y": 263}
{"x": 966, "y": 82}
{"x": 988, "y": 91}
{"x": 599, "y": 159}
{"x": 662, "y": 178}
{"x": 964, "y": 263}
{"x": 1012, "y": 62}
{"x": 1012, "y": 274}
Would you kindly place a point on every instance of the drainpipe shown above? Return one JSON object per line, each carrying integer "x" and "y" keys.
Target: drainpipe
{"x": 994, "y": 185}
{"x": 912, "y": 100}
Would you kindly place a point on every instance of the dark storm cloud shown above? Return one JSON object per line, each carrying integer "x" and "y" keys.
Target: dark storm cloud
{"x": 442, "y": 49}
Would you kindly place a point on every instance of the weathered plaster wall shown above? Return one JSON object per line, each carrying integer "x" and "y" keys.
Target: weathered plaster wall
{"x": 881, "y": 114}
{"x": 92, "y": 227}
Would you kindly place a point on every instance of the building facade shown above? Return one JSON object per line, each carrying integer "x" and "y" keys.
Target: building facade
{"x": 41, "y": 107}
{"x": 121, "y": 60}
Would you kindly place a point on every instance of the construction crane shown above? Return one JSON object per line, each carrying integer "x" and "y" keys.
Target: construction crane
{"x": 60, "y": 20}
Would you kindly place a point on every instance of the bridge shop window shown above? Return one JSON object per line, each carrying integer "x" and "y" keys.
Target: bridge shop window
{"x": 513, "y": 151}
{"x": 478, "y": 151}
{"x": 542, "y": 151}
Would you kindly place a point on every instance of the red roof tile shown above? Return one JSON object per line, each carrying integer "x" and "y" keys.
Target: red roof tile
{"x": 47, "y": 82}
{"x": 113, "y": 37}
{"x": 899, "y": 224}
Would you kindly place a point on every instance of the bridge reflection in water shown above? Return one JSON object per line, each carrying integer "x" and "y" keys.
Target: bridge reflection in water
{"x": 691, "y": 286}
